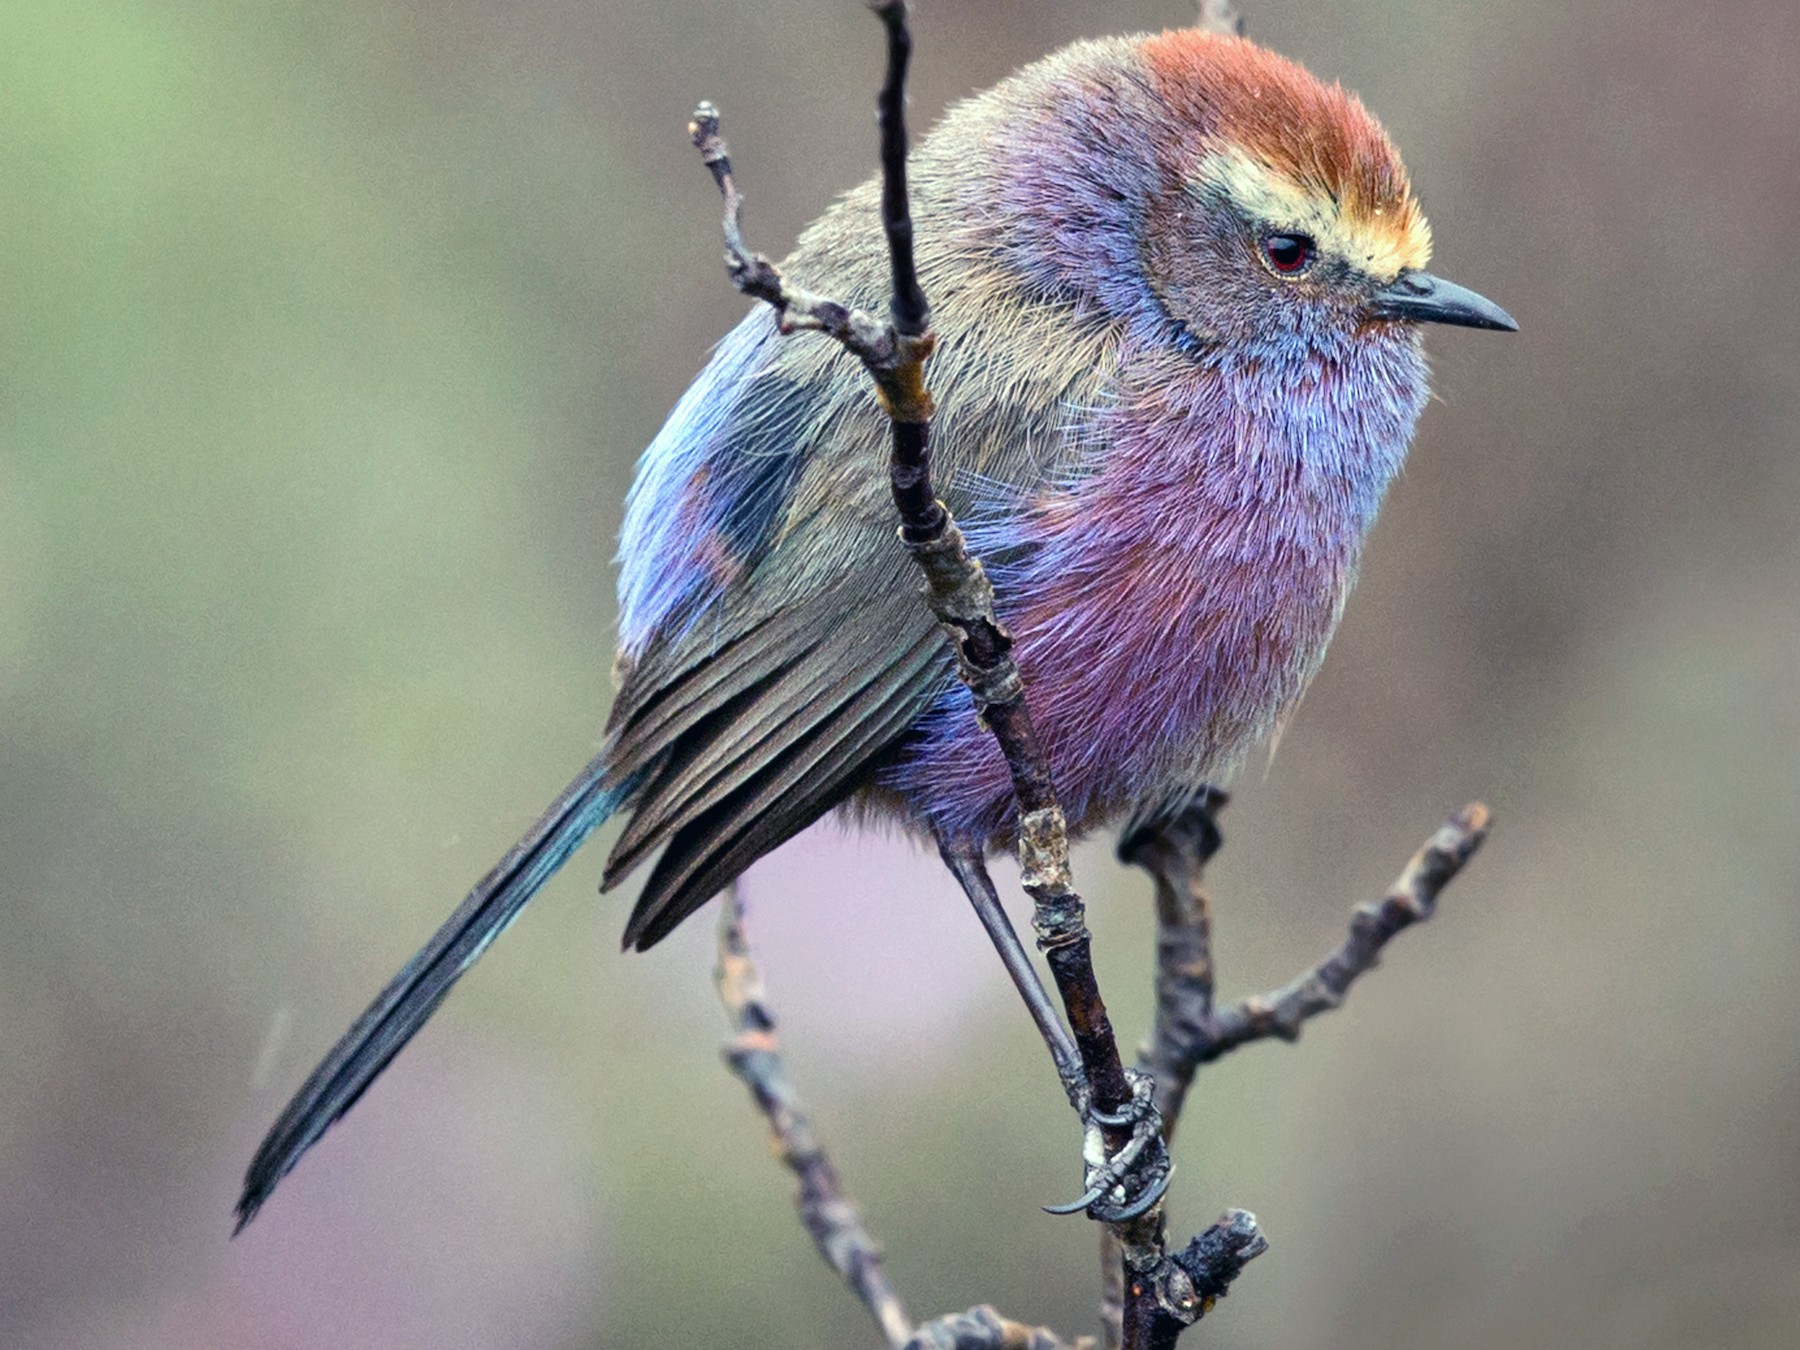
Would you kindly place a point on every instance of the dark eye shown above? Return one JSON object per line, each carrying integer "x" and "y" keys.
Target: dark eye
{"x": 1288, "y": 253}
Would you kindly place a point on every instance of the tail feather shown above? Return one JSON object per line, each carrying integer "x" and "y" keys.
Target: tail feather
{"x": 415, "y": 993}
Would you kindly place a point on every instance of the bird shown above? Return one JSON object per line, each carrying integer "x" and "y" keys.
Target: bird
{"x": 1178, "y": 286}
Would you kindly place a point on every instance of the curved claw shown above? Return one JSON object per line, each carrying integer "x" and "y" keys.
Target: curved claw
{"x": 1077, "y": 1206}
{"x": 1158, "y": 1187}
{"x": 1138, "y": 1108}
{"x": 1140, "y": 1206}
{"x": 1140, "y": 1113}
{"x": 1116, "y": 1169}
{"x": 1129, "y": 1114}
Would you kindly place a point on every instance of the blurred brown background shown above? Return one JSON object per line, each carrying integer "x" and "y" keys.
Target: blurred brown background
{"x": 329, "y": 333}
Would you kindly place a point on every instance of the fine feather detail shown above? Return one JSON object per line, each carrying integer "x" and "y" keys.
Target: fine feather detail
{"x": 1169, "y": 461}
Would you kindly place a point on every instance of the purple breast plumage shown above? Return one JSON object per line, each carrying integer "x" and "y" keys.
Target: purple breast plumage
{"x": 1171, "y": 607}
{"x": 1172, "y": 537}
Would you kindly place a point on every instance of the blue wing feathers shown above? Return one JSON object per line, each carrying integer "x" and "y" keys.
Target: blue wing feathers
{"x": 714, "y": 486}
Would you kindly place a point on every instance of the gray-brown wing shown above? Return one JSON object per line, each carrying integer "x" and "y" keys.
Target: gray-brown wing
{"x": 754, "y": 738}
{"x": 744, "y": 721}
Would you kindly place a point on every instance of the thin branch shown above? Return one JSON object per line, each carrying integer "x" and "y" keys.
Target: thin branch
{"x": 1174, "y": 847}
{"x": 859, "y": 332}
{"x": 1189, "y": 1030}
{"x": 962, "y": 599}
{"x": 754, "y": 1054}
{"x": 830, "y": 1217}
{"x": 909, "y": 310}
{"x": 1413, "y": 899}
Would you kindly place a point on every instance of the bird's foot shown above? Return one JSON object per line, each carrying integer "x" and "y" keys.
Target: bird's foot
{"x": 1123, "y": 1185}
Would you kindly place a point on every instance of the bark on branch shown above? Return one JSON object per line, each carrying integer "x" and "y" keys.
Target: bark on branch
{"x": 1190, "y": 1030}
{"x": 754, "y": 1054}
{"x": 1174, "y": 847}
{"x": 962, "y": 599}
{"x": 1153, "y": 1294}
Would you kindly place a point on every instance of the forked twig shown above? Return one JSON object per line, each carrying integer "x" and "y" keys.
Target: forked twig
{"x": 1190, "y": 1030}
{"x": 1153, "y": 1294}
{"x": 1174, "y": 847}
{"x": 962, "y": 599}
{"x": 754, "y": 1054}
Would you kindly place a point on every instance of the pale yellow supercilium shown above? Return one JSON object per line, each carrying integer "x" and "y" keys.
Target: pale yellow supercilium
{"x": 1380, "y": 243}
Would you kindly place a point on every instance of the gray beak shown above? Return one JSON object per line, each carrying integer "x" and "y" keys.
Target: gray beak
{"x": 1423, "y": 298}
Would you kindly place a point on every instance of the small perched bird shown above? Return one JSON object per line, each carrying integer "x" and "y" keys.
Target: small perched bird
{"x": 1178, "y": 285}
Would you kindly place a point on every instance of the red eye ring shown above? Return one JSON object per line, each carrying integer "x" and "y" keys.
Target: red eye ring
{"x": 1288, "y": 254}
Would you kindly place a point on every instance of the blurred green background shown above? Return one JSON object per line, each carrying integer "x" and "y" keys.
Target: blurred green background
{"x": 329, "y": 333}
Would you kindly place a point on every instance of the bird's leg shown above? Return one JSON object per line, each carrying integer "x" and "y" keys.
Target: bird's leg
{"x": 970, "y": 870}
{"x": 1125, "y": 1182}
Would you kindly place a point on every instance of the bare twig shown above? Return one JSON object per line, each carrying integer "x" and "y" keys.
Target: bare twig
{"x": 1190, "y": 1031}
{"x": 754, "y": 1054}
{"x": 908, "y": 308}
{"x": 1412, "y": 900}
{"x": 832, "y": 1219}
{"x": 962, "y": 599}
{"x": 869, "y": 339}
{"x": 1174, "y": 847}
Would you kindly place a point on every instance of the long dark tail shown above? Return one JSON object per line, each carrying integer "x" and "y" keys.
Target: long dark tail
{"x": 414, "y": 994}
